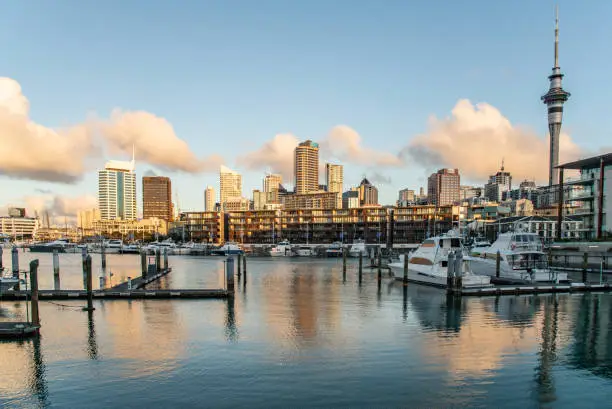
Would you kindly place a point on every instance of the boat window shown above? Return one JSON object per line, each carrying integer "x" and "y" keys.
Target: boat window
{"x": 455, "y": 243}
{"x": 444, "y": 263}
{"x": 428, "y": 243}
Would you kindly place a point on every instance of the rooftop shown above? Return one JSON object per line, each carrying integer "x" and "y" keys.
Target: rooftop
{"x": 592, "y": 162}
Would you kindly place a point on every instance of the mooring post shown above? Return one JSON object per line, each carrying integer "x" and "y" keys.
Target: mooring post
{"x": 459, "y": 272}
{"x": 15, "y": 262}
{"x": 244, "y": 263}
{"x": 239, "y": 264}
{"x": 165, "y": 259}
{"x": 89, "y": 285}
{"x": 379, "y": 261}
{"x": 497, "y": 264}
{"x": 585, "y": 265}
{"x": 143, "y": 263}
{"x": 34, "y": 291}
{"x": 1, "y": 262}
{"x": 549, "y": 259}
{"x": 360, "y": 267}
{"x": 229, "y": 274}
{"x": 450, "y": 272}
{"x": 56, "y": 271}
{"x": 405, "y": 269}
{"x": 129, "y": 283}
{"x": 103, "y": 257}
{"x": 84, "y": 256}
{"x": 157, "y": 260}
{"x": 344, "y": 260}
{"x": 372, "y": 262}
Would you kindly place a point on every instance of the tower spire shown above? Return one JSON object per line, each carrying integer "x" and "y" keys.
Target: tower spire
{"x": 557, "y": 36}
{"x": 554, "y": 100}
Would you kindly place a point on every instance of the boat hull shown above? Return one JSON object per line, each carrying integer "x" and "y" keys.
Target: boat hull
{"x": 47, "y": 249}
{"x": 424, "y": 276}
{"x": 226, "y": 252}
{"x": 333, "y": 253}
{"x": 487, "y": 267}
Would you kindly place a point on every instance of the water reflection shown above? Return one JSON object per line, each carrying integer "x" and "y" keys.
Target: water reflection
{"x": 231, "y": 331}
{"x": 92, "y": 345}
{"x": 39, "y": 383}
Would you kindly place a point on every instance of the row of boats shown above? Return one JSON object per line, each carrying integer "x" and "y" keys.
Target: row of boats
{"x": 521, "y": 260}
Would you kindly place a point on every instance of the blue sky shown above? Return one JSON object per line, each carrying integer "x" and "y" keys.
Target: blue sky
{"x": 230, "y": 75}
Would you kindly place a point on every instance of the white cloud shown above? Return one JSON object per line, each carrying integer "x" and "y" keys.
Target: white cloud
{"x": 346, "y": 144}
{"x": 476, "y": 138}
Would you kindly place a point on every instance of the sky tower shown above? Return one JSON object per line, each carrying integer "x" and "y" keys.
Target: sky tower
{"x": 554, "y": 99}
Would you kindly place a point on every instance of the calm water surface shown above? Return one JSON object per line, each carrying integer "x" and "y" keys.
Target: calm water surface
{"x": 299, "y": 335}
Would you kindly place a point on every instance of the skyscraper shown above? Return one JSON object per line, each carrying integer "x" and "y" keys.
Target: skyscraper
{"x": 498, "y": 184}
{"x": 209, "y": 199}
{"x": 271, "y": 185}
{"x": 443, "y": 187}
{"x": 554, "y": 99}
{"x": 117, "y": 190}
{"x": 334, "y": 179}
{"x": 368, "y": 193}
{"x": 230, "y": 183}
{"x": 157, "y": 197}
{"x": 307, "y": 167}
{"x": 406, "y": 195}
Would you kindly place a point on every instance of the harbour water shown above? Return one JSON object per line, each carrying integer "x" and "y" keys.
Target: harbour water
{"x": 299, "y": 335}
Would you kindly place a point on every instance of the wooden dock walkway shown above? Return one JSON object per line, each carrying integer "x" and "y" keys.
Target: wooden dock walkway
{"x": 533, "y": 289}
{"x": 53, "y": 295}
{"x": 139, "y": 282}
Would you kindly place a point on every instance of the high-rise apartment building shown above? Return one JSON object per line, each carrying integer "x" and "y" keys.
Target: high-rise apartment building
{"x": 272, "y": 184}
{"x": 157, "y": 197}
{"x": 117, "y": 190}
{"x": 499, "y": 183}
{"x": 406, "y": 195}
{"x": 443, "y": 187}
{"x": 334, "y": 180}
{"x": 209, "y": 199}
{"x": 230, "y": 183}
{"x": 368, "y": 193}
{"x": 307, "y": 167}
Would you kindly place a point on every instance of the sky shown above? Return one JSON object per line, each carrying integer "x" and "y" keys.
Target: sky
{"x": 393, "y": 90}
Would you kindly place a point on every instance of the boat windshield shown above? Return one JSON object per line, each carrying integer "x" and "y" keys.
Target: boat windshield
{"x": 523, "y": 261}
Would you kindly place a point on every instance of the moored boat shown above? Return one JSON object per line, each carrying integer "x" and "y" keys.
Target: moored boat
{"x": 522, "y": 260}
{"x": 61, "y": 245}
{"x": 227, "y": 249}
{"x": 334, "y": 250}
{"x": 358, "y": 248}
{"x": 428, "y": 264}
{"x": 304, "y": 251}
{"x": 282, "y": 249}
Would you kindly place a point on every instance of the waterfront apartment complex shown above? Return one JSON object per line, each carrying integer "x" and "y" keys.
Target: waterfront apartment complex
{"x": 443, "y": 187}
{"x": 306, "y": 167}
{"x": 117, "y": 191}
{"x": 157, "y": 197}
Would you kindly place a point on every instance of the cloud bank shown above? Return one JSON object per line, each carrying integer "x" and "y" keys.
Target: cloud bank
{"x": 59, "y": 207}
{"x": 342, "y": 144}
{"x": 476, "y": 138}
{"x": 33, "y": 151}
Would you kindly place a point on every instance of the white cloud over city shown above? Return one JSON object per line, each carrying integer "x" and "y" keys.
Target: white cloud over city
{"x": 475, "y": 139}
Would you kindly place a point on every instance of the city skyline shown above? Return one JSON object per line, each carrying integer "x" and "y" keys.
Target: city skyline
{"x": 374, "y": 143}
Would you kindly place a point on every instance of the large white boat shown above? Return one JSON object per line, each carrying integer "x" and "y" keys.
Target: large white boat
{"x": 113, "y": 246}
{"x": 429, "y": 263}
{"x": 304, "y": 251}
{"x": 282, "y": 249}
{"x": 227, "y": 249}
{"x": 358, "y": 248}
{"x": 479, "y": 247}
{"x": 334, "y": 250}
{"x": 132, "y": 248}
{"x": 61, "y": 245}
{"x": 522, "y": 259}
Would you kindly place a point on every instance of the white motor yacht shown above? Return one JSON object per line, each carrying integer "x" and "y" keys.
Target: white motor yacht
{"x": 113, "y": 246}
{"x": 522, "y": 259}
{"x": 428, "y": 264}
{"x": 334, "y": 250}
{"x": 304, "y": 251}
{"x": 358, "y": 248}
{"x": 479, "y": 247}
{"x": 282, "y": 249}
{"x": 7, "y": 282}
{"x": 227, "y": 249}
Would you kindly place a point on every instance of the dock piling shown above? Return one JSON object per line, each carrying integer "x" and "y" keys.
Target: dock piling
{"x": 89, "y": 284}
{"x": 360, "y": 267}
{"x": 497, "y": 264}
{"x": 244, "y": 263}
{"x": 84, "y": 256}
{"x": 143, "y": 263}
{"x": 450, "y": 271}
{"x": 1, "y": 262}
{"x": 239, "y": 264}
{"x": 343, "y": 261}
{"x": 157, "y": 260}
{"x": 129, "y": 283}
{"x": 379, "y": 261}
{"x": 585, "y": 265}
{"x": 103, "y": 257}
{"x": 34, "y": 291}
{"x": 15, "y": 262}
{"x": 405, "y": 269}
{"x": 229, "y": 274}
{"x": 165, "y": 259}
{"x": 56, "y": 270}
